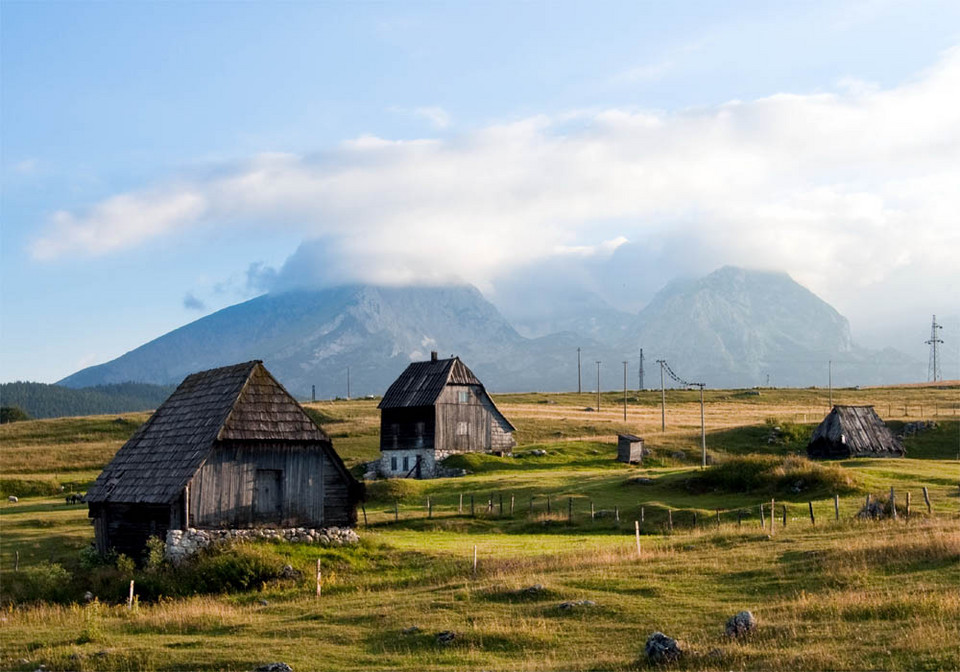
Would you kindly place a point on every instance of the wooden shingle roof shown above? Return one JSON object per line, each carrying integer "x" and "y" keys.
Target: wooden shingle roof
{"x": 239, "y": 402}
{"x": 422, "y": 382}
{"x": 859, "y": 430}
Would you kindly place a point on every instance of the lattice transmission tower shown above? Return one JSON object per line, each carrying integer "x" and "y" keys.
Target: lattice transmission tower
{"x": 933, "y": 368}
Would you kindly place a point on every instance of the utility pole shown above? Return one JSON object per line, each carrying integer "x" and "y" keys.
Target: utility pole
{"x": 641, "y": 369}
{"x": 830, "y": 380}
{"x": 313, "y": 393}
{"x": 663, "y": 399}
{"x": 579, "y": 387}
{"x": 933, "y": 369}
{"x": 703, "y": 434}
{"x": 348, "y": 383}
{"x": 598, "y": 386}
{"x": 624, "y": 391}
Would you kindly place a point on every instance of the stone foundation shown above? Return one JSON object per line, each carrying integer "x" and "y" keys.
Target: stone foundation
{"x": 181, "y": 544}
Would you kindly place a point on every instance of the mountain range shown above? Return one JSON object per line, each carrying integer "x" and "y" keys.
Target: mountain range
{"x": 731, "y": 328}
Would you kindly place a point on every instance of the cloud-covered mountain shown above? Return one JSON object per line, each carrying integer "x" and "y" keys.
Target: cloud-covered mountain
{"x": 730, "y": 328}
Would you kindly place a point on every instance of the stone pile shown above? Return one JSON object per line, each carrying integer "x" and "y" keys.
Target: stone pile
{"x": 181, "y": 544}
{"x": 662, "y": 649}
{"x": 741, "y": 624}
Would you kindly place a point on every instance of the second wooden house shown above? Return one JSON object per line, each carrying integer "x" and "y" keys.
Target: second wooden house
{"x": 435, "y": 409}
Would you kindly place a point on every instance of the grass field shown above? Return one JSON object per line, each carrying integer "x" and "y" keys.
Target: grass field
{"x": 844, "y": 594}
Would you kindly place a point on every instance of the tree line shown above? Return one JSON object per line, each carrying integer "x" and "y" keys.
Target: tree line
{"x": 40, "y": 400}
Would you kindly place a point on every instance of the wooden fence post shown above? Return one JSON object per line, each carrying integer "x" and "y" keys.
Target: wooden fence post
{"x": 490, "y": 504}
{"x": 908, "y": 505}
{"x": 694, "y": 520}
{"x": 511, "y": 505}
{"x": 926, "y": 498}
{"x": 130, "y": 598}
{"x": 473, "y": 513}
{"x": 16, "y": 561}
{"x": 460, "y": 505}
{"x": 570, "y": 510}
{"x": 593, "y": 513}
{"x": 813, "y": 521}
{"x": 396, "y": 510}
{"x": 773, "y": 518}
{"x": 364, "y": 509}
{"x": 641, "y": 514}
{"x": 670, "y": 519}
{"x": 319, "y": 578}
{"x": 763, "y": 522}
{"x": 474, "y": 561}
{"x": 636, "y": 528}
{"x": 501, "y": 505}
{"x": 616, "y": 513}
{"x": 784, "y": 515}
{"x": 739, "y": 517}
{"x": 548, "y": 505}
{"x": 718, "y": 519}
{"x": 893, "y": 504}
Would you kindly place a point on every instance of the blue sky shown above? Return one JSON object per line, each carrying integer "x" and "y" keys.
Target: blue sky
{"x": 157, "y": 158}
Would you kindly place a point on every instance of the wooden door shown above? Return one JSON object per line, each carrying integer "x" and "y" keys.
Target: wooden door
{"x": 267, "y": 496}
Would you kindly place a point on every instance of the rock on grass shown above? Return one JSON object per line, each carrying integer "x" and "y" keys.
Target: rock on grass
{"x": 662, "y": 649}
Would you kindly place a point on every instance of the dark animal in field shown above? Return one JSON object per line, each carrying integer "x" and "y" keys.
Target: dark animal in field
{"x": 75, "y": 498}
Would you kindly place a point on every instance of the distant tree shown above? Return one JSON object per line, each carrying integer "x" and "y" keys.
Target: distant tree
{"x": 12, "y": 414}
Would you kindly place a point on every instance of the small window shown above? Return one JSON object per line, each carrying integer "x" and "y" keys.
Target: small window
{"x": 393, "y": 464}
{"x": 463, "y": 396}
{"x": 461, "y": 428}
{"x": 406, "y": 464}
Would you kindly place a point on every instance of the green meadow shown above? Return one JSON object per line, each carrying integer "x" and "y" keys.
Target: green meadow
{"x": 839, "y": 593}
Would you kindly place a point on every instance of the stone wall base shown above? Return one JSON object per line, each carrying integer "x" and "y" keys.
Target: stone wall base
{"x": 183, "y": 543}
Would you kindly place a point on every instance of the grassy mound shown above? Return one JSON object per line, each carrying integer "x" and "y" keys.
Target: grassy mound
{"x": 392, "y": 490}
{"x": 790, "y": 475}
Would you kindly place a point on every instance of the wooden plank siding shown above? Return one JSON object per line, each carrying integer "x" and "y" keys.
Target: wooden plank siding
{"x": 313, "y": 493}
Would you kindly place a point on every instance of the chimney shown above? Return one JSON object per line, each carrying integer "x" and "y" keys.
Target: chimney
{"x": 433, "y": 355}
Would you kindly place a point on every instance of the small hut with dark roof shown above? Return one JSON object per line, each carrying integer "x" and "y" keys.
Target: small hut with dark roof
{"x": 230, "y": 448}
{"x": 435, "y": 409}
{"x": 853, "y": 431}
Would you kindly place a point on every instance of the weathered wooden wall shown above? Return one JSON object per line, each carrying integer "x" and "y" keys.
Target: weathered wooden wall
{"x": 313, "y": 492}
{"x": 125, "y": 528}
{"x": 484, "y": 431}
{"x": 399, "y": 431}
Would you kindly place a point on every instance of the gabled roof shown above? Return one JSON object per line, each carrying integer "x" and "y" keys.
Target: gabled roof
{"x": 858, "y": 429}
{"x": 239, "y": 402}
{"x": 422, "y": 382}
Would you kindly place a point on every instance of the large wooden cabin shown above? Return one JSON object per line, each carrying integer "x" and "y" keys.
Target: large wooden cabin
{"x": 230, "y": 448}
{"x": 435, "y": 409}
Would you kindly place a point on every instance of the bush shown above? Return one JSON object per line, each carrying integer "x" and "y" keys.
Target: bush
{"x": 13, "y": 414}
{"x": 46, "y": 582}
{"x": 394, "y": 489}
{"x": 239, "y": 567}
{"x": 772, "y": 474}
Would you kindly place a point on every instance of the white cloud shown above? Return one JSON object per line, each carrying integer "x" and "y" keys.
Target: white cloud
{"x": 838, "y": 189}
{"x": 437, "y": 116}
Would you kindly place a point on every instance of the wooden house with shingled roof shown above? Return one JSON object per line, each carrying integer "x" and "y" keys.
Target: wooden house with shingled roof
{"x": 853, "y": 431}
{"x": 229, "y": 449}
{"x": 435, "y": 409}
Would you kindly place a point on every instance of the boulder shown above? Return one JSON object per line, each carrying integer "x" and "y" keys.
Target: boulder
{"x": 446, "y": 637}
{"x": 662, "y": 649}
{"x": 571, "y": 604}
{"x": 274, "y": 667}
{"x": 535, "y": 589}
{"x": 741, "y": 624}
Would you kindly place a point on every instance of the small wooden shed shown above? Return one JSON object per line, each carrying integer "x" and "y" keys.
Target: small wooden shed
{"x": 230, "y": 448}
{"x": 629, "y": 449}
{"x": 853, "y": 431}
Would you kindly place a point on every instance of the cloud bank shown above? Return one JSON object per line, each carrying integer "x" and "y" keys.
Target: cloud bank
{"x": 838, "y": 188}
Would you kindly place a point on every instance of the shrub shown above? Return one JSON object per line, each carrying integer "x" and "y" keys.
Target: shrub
{"x": 13, "y": 414}
{"x": 46, "y": 581}
{"x": 772, "y": 474}
{"x": 238, "y": 567}
{"x": 154, "y": 555}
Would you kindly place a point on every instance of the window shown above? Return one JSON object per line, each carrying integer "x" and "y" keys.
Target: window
{"x": 461, "y": 428}
{"x": 463, "y": 397}
{"x": 406, "y": 464}
{"x": 393, "y": 464}
{"x": 420, "y": 429}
